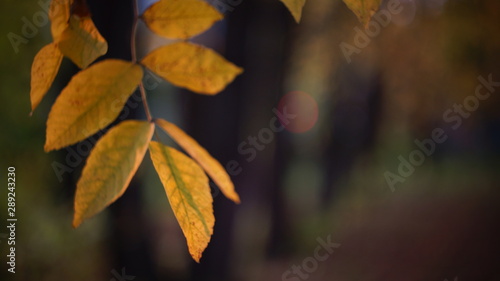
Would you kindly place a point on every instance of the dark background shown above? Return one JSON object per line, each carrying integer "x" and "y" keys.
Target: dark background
{"x": 439, "y": 224}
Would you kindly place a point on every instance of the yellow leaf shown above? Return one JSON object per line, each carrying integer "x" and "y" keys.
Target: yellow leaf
{"x": 364, "y": 9}
{"x": 82, "y": 42}
{"x": 110, "y": 167}
{"x": 43, "y": 71}
{"x": 92, "y": 100}
{"x": 189, "y": 195}
{"x": 59, "y": 13}
{"x": 180, "y": 19}
{"x": 191, "y": 66}
{"x": 213, "y": 168}
{"x": 295, "y": 7}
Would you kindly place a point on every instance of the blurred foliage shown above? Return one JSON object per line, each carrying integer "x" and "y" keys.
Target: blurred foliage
{"x": 439, "y": 224}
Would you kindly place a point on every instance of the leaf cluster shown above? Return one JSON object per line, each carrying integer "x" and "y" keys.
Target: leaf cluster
{"x": 95, "y": 96}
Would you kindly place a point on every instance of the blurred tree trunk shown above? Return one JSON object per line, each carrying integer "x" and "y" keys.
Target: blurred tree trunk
{"x": 256, "y": 40}
{"x": 129, "y": 244}
{"x": 355, "y": 119}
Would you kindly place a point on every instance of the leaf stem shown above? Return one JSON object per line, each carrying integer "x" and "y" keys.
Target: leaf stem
{"x": 145, "y": 102}
{"x": 134, "y": 32}
{"x": 133, "y": 50}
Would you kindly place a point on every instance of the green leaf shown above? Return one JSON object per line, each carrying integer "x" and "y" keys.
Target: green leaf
{"x": 110, "y": 167}
{"x": 92, "y": 100}
{"x": 189, "y": 195}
